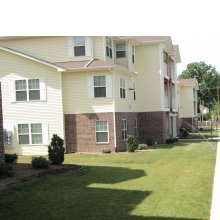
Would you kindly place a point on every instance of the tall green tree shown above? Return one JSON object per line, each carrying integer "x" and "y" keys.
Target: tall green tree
{"x": 208, "y": 80}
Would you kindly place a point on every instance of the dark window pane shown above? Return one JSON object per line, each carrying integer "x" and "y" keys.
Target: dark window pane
{"x": 134, "y": 95}
{"x": 79, "y": 51}
{"x": 21, "y": 95}
{"x": 37, "y": 139}
{"x": 23, "y": 139}
{"x": 34, "y": 95}
{"x": 100, "y": 91}
{"x": 132, "y": 58}
{"x": 110, "y": 55}
{"x": 101, "y": 136}
{"x": 120, "y": 54}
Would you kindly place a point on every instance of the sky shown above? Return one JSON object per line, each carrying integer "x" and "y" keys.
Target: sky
{"x": 196, "y": 49}
{"x": 192, "y": 24}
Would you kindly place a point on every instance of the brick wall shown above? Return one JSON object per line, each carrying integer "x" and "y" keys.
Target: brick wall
{"x": 1, "y": 130}
{"x": 80, "y": 132}
{"x": 152, "y": 125}
{"x": 130, "y": 117}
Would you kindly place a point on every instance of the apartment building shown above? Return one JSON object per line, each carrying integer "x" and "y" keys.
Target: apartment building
{"x": 187, "y": 99}
{"x": 91, "y": 91}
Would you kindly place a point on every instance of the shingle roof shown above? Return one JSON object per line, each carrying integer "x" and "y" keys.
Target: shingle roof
{"x": 86, "y": 64}
{"x": 188, "y": 82}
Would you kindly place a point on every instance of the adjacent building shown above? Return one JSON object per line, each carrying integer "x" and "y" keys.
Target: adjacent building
{"x": 187, "y": 98}
{"x": 91, "y": 91}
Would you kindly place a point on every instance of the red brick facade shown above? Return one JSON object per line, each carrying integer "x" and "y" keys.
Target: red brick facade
{"x": 152, "y": 125}
{"x": 80, "y": 135}
{"x": 1, "y": 130}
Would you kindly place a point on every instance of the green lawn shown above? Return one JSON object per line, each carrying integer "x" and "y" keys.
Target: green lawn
{"x": 204, "y": 135}
{"x": 171, "y": 182}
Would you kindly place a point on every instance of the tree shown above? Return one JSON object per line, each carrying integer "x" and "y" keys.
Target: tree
{"x": 208, "y": 80}
{"x": 56, "y": 150}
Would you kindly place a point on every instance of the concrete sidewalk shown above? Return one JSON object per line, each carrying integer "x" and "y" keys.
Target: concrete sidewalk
{"x": 215, "y": 210}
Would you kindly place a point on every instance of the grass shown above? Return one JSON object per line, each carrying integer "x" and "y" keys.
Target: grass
{"x": 204, "y": 135}
{"x": 172, "y": 182}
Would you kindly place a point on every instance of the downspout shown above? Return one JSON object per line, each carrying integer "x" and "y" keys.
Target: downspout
{"x": 113, "y": 94}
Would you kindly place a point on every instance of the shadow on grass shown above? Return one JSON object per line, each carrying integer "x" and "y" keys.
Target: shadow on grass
{"x": 89, "y": 194}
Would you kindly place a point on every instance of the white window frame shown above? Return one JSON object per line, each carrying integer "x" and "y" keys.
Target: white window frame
{"x": 100, "y": 87}
{"x": 122, "y": 89}
{"x": 124, "y": 129}
{"x": 42, "y": 90}
{"x": 30, "y": 133}
{"x": 120, "y": 50}
{"x": 108, "y": 47}
{"x": 135, "y": 128}
{"x": 107, "y": 142}
{"x": 83, "y": 45}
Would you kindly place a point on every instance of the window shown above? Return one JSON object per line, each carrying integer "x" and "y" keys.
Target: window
{"x": 21, "y": 90}
{"x": 108, "y": 46}
{"x": 34, "y": 89}
{"x": 132, "y": 54}
{"x": 135, "y": 128}
{"x": 99, "y": 86}
{"x": 134, "y": 91}
{"x": 102, "y": 132}
{"x": 27, "y": 90}
{"x": 124, "y": 129}
{"x": 30, "y": 133}
{"x": 122, "y": 88}
{"x": 120, "y": 50}
{"x": 79, "y": 46}
{"x": 23, "y": 133}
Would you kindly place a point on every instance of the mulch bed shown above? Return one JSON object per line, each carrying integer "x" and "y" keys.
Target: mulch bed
{"x": 25, "y": 172}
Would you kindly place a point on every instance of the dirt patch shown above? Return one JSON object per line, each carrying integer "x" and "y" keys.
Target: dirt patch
{"x": 25, "y": 172}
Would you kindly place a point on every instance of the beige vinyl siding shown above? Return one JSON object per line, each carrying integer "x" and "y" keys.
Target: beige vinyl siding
{"x": 76, "y": 99}
{"x": 14, "y": 67}
{"x": 52, "y": 49}
{"x": 147, "y": 65}
{"x": 124, "y": 104}
{"x": 186, "y": 102}
{"x": 98, "y": 47}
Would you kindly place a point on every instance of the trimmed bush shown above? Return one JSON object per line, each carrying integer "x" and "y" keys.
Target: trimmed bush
{"x": 169, "y": 141}
{"x": 56, "y": 150}
{"x": 40, "y": 162}
{"x": 106, "y": 150}
{"x": 142, "y": 146}
{"x": 149, "y": 142}
{"x": 11, "y": 158}
{"x": 130, "y": 143}
{"x": 183, "y": 132}
{"x": 6, "y": 170}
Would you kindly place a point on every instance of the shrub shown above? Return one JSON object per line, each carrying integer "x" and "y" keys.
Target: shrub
{"x": 169, "y": 141}
{"x": 106, "y": 150}
{"x": 56, "y": 150}
{"x": 149, "y": 142}
{"x": 11, "y": 158}
{"x": 142, "y": 146}
{"x": 130, "y": 143}
{"x": 183, "y": 132}
{"x": 40, "y": 162}
{"x": 6, "y": 170}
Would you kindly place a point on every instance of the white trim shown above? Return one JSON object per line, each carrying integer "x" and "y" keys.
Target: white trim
{"x": 88, "y": 63}
{"x": 102, "y": 131}
{"x": 32, "y": 58}
{"x": 126, "y": 129}
{"x": 114, "y": 110}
